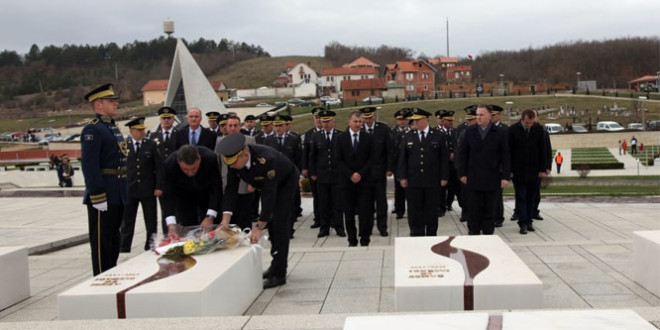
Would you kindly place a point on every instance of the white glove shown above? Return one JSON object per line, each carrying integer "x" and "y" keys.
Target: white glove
{"x": 101, "y": 206}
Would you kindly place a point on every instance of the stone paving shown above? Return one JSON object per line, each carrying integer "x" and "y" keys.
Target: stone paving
{"x": 581, "y": 252}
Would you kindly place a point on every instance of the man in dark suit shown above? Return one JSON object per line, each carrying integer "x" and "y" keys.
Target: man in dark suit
{"x": 548, "y": 169}
{"x": 323, "y": 172}
{"x": 423, "y": 169}
{"x": 470, "y": 119}
{"x": 103, "y": 159}
{"x": 398, "y": 132}
{"x": 163, "y": 137}
{"x": 194, "y": 133}
{"x": 447, "y": 193}
{"x": 212, "y": 118}
{"x": 277, "y": 178}
{"x": 496, "y": 111}
{"x": 483, "y": 167}
{"x": 382, "y": 168}
{"x": 355, "y": 158}
{"x": 528, "y": 164}
{"x": 145, "y": 175}
{"x": 192, "y": 187}
{"x": 307, "y": 139}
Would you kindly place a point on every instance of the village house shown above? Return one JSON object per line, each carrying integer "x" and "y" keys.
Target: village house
{"x": 153, "y": 92}
{"x": 418, "y": 77}
{"x": 357, "y": 90}
{"x": 332, "y": 78}
{"x": 300, "y": 73}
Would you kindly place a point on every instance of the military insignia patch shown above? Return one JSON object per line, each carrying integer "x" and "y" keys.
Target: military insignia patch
{"x": 410, "y": 143}
{"x": 271, "y": 174}
{"x": 262, "y": 161}
{"x": 89, "y": 137}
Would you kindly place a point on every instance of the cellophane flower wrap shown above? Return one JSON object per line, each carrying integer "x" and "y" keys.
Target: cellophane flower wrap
{"x": 195, "y": 240}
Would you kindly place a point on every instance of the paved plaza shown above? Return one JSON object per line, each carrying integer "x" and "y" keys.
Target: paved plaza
{"x": 582, "y": 252}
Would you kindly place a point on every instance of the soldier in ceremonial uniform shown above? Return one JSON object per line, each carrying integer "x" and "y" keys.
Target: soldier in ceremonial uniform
{"x": 398, "y": 131}
{"x": 447, "y": 192}
{"x": 307, "y": 139}
{"x": 266, "y": 122}
{"x": 423, "y": 169}
{"x": 382, "y": 168}
{"x": 277, "y": 178}
{"x": 323, "y": 172}
{"x": 65, "y": 171}
{"x": 145, "y": 175}
{"x": 104, "y": 153}
{"x": 194, "y": 133}
{"x": 165, "y": 144}
{"x": 212, "y": 117}
{"x": 222, "y": 123}
{"x": 249, "y": 124}
{"x": 470, "y": 119}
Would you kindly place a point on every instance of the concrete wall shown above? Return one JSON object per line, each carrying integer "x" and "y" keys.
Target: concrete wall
{"x": 302, "y": 90}
{"x": 609, "y": 140}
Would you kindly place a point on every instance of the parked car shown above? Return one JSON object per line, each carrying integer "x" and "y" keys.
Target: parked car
{"x": 611, "y": 126}
{"x": 236, "y": 99}
{"x": 654, "y": 125}
{"x": 373, "y": 99}
{"x": 325, "y": 98}
{"x": 307, "y": 103}
{"x": 71, "y": 137}
{"x": 553, "y": 128}
{"x": 263, "y": 105}
{"x": 579, "y": 129}
{"x": 295, "y": 101}
{"x": 637, "y": 126}
{"x": 332, "y": 101}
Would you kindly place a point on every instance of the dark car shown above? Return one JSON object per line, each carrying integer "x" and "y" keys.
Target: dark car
{"x": 306, "y": 103}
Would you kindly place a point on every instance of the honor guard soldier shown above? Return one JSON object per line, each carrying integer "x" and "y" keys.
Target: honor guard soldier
{"x": 323, "y": 171}
{"x": 398, "y": 131}
{"x": 103, "y": 160}
{"x": 446, "y": 127}
{"x": 212, "y": 118}
{"x": 383, "y": 166}
{"x": 470, "y": 119}
{"x": 277, "y": 178}
{"x": 221, "y": 120}
{"x": 307, "y": 139}
{"x": 165, "y": 143}
{"x": 249, "y": 126}
{"x": 65, "y": 171}
{"x": 145, "y": 178}
{"x": 423, "y": 169}
{"x": 194, "y": 133}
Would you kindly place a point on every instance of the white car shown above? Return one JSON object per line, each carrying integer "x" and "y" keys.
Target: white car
{"x": 263, "y": 105}
{"x": 236, "y": 99}
{"x": 611, "y": 126}
{"x": 636, "y": 126}
{"x": 553, "y": 128}
{"x": 332, "y": 101}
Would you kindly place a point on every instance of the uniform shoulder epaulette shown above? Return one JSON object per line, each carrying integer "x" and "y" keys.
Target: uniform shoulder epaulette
{"x": 94, "y": 121}
{"x": 410, "y": 130}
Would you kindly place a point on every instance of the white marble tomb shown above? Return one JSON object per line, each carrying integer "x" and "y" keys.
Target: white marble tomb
{"x": 427, "y": 281}
{"x": 14, "y": 275}
{"x": 221, "y": 283}
{"x": 646, "y": 259}
{"x": 619, "y": 319}
{"x": 457, "y": 321}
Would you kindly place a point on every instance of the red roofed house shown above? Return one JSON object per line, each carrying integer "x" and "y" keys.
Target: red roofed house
{"x": 461, "y": 73}
{"x": 332, "y": 78}
{"x": 153, "y": 92}
{"x": 356, "y": 90}
{"x": 636, "y": 83}
{"x": 418, "y": 77}
{"x": 362, "y": 62}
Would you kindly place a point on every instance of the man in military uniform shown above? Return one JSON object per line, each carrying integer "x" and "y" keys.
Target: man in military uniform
{"x": 323, "y": 171}
{"x": 446, "y": 127}
{"x": 212, "y": 117}
{"x": 221, "y": 120}
{"x": 165, "y": 144}
{"x": 423, "y": 169}
{"x": 382, "y": 164}
{"x": 249, "y": 126}
{"x": 496, "y": 112}
{"x": 194, "y": 133}
{"x": 484, "y": 168}
{"x": 192, "y": 187}
{"x": 277, "y": 178}
{"x": 65, "y": 171}
{"x": 145, "y": 175}
{"x": 398, "y": 131}
{"x": 470, "y": 119}
{"x": 307, "y": 140}
{"x": 266, "y": 122}
{"x": 355, "y": 158}
{"x": 104, "y": 153}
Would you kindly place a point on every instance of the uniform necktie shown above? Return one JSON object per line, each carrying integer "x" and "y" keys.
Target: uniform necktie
{"x": 193, "y": 138}
{"x": 279, "y": 138}
{"x": 371, "y": 131}
{"x": 167, "y": 136}
{"x": 137, "y": 147}
{"x": 421, "y": 139}
{"x": 355, "y": 142}
{"x": 327, "y": 137}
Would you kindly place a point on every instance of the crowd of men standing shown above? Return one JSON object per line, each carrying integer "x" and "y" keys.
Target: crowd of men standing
{"x": 234, "y": 173}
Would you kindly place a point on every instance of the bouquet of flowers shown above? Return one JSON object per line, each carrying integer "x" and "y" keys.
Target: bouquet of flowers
{"x": 196, "y": 240}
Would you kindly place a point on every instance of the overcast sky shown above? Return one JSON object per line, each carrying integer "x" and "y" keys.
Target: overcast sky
{"x": 304, "y": 27}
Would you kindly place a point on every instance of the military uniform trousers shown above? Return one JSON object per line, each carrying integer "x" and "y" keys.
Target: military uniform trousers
{"x": 279, "y": 228}
{"x": 399, "y": 198}
{"x": 380, "y": 197}
{"x": 104, "y": 237}
{"x": 150, "y": 215}
{"x": 481, "y": 208}
{"x": 330, "y": 204}
{"x": 315, "y": 201}
{"x": 244, "y": 211}
{"x": 423, "y": 210}
{"x": 358, "y": 197}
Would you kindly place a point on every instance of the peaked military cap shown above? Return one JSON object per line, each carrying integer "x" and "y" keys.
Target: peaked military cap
{"x": 136, "y": 123}
{"x": 230, "y": 147}
{"x": 279, "y": 120}
{"x": 471, "y": 112}
{"x": 327, "y": 115}
{"x": 265, "y": 120}
{"x": 368, "y": 112}
{"x": 222, "y": 119}
{"x": 166, "y": 112}
{"x": 401, "y": 114}
{"x": 418, "y": 113}
{"x": 495, "y": 109}
{"x": 212, "y": 115}
{"x": 104, "y": 91}
{"x": 447, "y": 115}
{"x": 250, "y": 117}
{"x": 316, "y": 110}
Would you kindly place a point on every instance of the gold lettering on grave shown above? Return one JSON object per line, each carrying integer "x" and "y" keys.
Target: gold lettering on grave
{"x": 427, "y": 271}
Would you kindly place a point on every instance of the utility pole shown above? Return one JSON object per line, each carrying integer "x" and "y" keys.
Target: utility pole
{"x": 447, "y": 36}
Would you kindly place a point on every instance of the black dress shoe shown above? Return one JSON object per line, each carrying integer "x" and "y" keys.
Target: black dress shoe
{"x": 364, "y": 243}
{"x": 449, "y": 209}
{"x": 315, "y": 225}
{"x": 399, "y": 216}
{"x": 537, "y": 216}
{"x": 463, "y": 219}
{"x": 384, "y": 233}
{"x": 274, "y": 281}
{"x": 352, "y": 243}
{"x": 323, "y": 233}
{"x": 523, "y": 230}
{"x": 498, "y": 224}
{"x": 266, "y": 274}
{"x": 340, "y": 232}
{"x": 393, "y": 211}
{"x": 441, "y": 214}
{"x": 530, "y": 227}
{"x": 514, "y": 217}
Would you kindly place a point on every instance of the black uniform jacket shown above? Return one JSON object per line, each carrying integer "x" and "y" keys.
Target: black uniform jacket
{"x": 323, "y": 159}
{"x": 349, "y": 161}
{"x": 424, "y": 165}
{"x": 145, "y": 170}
